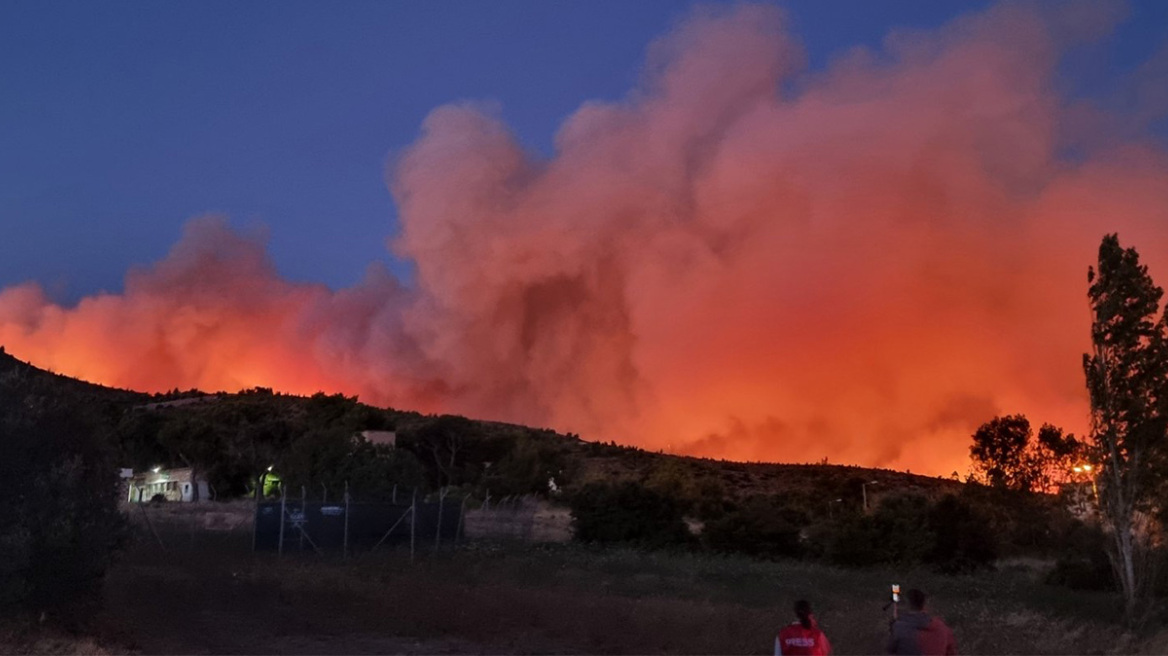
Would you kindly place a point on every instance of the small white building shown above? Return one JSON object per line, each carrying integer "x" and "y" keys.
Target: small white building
{"x": 172, "y": 484}
{"x": 380, "y": 438}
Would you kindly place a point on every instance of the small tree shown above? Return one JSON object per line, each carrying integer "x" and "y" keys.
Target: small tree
{"x": 1006, "y": 455}
{"x": 443, "y": 439}
{"x": 1127, "y": 377}
{"x": 999, "y": 453}
{"x": 1053, "y": 455}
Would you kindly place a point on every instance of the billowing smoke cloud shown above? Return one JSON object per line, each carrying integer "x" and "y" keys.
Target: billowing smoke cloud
{"x": 738, "y": 260}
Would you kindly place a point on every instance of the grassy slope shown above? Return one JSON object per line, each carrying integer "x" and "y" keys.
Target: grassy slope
{"x": 220, "y": 598}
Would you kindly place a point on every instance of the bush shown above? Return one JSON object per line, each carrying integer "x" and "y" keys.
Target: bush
{"x": 1082, "y": 564}
{"x": 760, "y": 526}
{"x": 697, "y": 492}
{"x": 59, "y": 522}
{"x": 897, "y": 532}
{"x": 962, "y": 539}
{"x": 1023, "y": 523}
{"x": 627, "y": 512}
{"x": 530, "y": 462}
{"x": 334, "y": 457}
{"x": 1083, "y": 573}
{"x": 853, "y": 542}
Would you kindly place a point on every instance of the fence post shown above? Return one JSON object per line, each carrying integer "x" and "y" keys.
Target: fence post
{"x": 461, "y": 517}
{"x": 394, "y": 494}
{"x": 413, "y": 521}
{"x": 303, "y": 514}
{"x": 346, "y": 551}
{"x": 283, "y": 507}
{"x": 255, "y": 521}
{"x": 149, "y": 525}
{"x": 323, "y": 495}
{"x": 438, "y": 532}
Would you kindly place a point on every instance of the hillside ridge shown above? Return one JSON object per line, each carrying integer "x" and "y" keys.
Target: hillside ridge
{"x": 592, "y": 460}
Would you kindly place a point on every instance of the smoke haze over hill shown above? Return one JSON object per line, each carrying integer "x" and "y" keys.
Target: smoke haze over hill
{"x": 738, "y": 260}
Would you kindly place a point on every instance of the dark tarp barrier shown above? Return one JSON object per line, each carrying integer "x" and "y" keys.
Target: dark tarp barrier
{"x": 323, "y": 524}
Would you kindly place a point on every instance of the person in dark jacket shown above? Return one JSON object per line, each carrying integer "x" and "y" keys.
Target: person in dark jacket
{"x": 918, "y": 633}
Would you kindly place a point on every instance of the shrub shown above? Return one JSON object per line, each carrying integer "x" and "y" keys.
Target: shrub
{"x": 897, "y": 532}
{"x": 529, "y": 463}
{"x": 853, "y": 542}
{"x": 1083, "y": 573}
{"x": 59, "y": 522}
{"x": 626, "y": 512}
{"x": 1082, "y": 563}
{"x": 1024, "y": 523}
{"x": 334, "y": 457}
{"x": 962, "y": 539}
{"x": 697, "y": 492}
{"x": 759, "y": 526}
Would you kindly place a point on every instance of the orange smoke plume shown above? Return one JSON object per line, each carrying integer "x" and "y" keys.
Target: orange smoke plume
{"x": 738, "y": 260}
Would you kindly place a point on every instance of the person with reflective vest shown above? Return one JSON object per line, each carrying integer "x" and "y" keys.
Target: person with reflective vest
{"x": 802, "y": 637}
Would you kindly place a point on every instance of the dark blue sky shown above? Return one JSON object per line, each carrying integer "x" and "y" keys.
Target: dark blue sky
{"x": 120, "y": 121}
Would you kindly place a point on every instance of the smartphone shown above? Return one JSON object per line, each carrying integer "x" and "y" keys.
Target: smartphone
{"x": 896, "y": 593}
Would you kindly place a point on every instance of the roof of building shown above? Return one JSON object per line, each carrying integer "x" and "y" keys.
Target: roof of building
{"x": 388, "y": 438}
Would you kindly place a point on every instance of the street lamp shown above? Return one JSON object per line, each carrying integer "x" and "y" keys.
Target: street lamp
{"x": 864, "y": 491}
{"x": 1087, "y": 468}
{"x": 831, "y": 508}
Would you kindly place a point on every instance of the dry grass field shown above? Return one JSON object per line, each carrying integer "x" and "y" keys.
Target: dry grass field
{"x": 209, "y": 594}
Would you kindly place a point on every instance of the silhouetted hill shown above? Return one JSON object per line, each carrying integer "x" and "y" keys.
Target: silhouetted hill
{"x": 29, "y": 377}
{"x": 234, "y": 436}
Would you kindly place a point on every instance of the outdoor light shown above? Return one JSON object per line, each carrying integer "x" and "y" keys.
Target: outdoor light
{"x": 1086, "y": 467}
{"x": 1077, "y": 469}
{"x": 270, "y": 467}
{"x": 156, "y": 469}
{"x": 864, "y": 491}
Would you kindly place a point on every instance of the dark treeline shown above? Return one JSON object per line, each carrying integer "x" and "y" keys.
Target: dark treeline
{"x": 953, "y": 532}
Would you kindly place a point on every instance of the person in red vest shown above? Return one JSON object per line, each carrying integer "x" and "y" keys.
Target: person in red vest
{"x": 802, "y": 637}
{"x": 916, "y": 633}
